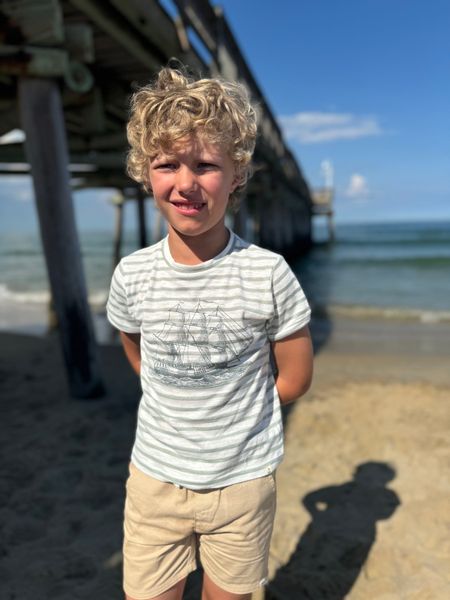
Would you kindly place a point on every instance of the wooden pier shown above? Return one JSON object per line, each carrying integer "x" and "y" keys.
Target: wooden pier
{"x": 67, "y": 68}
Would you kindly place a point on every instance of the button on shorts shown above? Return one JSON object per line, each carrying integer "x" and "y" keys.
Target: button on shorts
{"x": 166, "y": 526}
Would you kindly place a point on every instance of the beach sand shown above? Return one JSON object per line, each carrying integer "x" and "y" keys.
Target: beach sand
{"x": 363, "y": 491}
{"x": 363, "y": 508}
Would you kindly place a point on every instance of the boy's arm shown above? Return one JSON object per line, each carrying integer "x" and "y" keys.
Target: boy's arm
{"x": 131, "y": 343}
{"x": 294, "y": 360}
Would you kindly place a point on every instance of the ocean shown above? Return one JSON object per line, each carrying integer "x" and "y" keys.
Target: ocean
{"x": 399, "y": 270}
{"x": 392, "y": 270}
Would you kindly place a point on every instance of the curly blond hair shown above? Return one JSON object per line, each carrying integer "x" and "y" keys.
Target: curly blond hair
{"x": 175, "y": 106}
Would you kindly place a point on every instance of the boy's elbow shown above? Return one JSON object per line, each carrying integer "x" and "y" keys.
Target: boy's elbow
{"x": 294, "y": 361}
{"x": 306, "y": 384}
{"x": 289, "y": 391}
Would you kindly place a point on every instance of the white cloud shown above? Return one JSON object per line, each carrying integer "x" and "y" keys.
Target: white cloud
{"x": 105, "y": 196}
{"x": 317, "y": 127}
{"x": 102, "y": 196}
{"x": 357, "y": 187}
{"x": 17, "y": 188}
{"x": 24, "y": 195}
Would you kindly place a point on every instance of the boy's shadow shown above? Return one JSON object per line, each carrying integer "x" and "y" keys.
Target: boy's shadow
{"x": 333, "y": 549}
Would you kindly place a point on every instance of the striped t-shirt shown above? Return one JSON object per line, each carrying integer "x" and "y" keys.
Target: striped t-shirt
{"x": 209, "y": 414}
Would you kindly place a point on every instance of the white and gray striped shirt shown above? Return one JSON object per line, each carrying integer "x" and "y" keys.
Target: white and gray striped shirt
{"x": 209, "y": 414}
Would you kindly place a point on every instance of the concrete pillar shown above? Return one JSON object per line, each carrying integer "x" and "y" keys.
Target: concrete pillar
{"x": 142, "y": 224}
{"x": 46, "y": 148}
{"x": 118, "y": 201}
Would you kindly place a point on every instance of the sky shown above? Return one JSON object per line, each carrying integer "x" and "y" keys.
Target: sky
{"x": 361, "y": 89}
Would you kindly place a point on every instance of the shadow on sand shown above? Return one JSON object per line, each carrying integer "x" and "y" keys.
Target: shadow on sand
{"x": 334, "y": 547}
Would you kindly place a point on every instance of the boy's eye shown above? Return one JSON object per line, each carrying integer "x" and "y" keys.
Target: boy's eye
{"x": 167, "y": 166}
{"x": 206, "y": 166}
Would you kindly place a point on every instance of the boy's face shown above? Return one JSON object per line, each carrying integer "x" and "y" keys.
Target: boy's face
{"x": 192, "y": 184}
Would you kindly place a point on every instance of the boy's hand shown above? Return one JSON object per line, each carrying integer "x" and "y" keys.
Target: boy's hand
{"x": 294, "y": 360}
{"x": 131, "y": 343}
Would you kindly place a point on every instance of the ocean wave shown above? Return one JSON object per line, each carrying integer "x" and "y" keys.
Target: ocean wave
{"x": 22, "y": 252}
{"x": 96, "y": 299}
{"x": 388, "y": 313}
{"x": 35, "y": 297}
{"x": 431, "y": 241}
{"x": 394, "y": 234}
{"x": 387, "y": 262}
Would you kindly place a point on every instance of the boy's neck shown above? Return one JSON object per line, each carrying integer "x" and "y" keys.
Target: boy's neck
{"x": 194, "y": 250}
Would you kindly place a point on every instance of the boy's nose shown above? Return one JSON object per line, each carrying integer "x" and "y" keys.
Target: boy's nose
{"x": 186, "y": 180}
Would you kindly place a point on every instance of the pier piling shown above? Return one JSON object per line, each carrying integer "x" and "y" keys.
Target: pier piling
{"x": 46, "y": 149}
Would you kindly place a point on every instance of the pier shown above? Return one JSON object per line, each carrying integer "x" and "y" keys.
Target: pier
{"x": 322, "y": 206}
{"x": 67, "y": 69}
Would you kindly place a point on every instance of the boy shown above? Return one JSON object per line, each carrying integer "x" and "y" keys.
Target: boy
{"x": 198, "y": 314}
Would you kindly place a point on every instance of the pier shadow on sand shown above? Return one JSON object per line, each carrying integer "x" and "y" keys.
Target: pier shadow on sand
{"x": 334, "y": 547}
{"x": 63, "y": 468}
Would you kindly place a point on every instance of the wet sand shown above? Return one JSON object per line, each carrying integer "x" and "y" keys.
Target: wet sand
{"x": 363, "y": 490}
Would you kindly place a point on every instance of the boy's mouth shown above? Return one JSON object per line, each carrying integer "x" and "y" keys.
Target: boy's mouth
{"x": 188, "y": 208}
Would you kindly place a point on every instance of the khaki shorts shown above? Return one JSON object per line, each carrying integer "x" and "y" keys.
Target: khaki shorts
{"x": 165, "y": 526}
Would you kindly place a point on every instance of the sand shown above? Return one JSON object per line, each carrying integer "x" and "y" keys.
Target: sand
{"x": 363, "y": 491}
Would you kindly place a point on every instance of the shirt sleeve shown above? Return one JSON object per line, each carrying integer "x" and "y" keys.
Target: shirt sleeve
{"x": 118, "y": 309}
{"x": 291, "y": 309}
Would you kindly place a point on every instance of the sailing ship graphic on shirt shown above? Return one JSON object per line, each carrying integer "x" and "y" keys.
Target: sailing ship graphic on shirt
{"x": 200, "y": 345}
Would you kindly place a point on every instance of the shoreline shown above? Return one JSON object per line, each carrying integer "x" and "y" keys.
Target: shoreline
{"x": 33, "y": 317}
